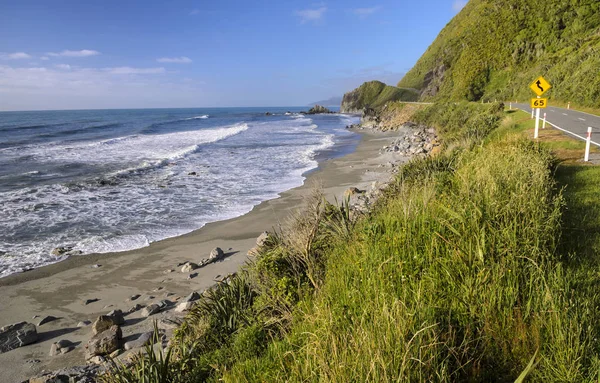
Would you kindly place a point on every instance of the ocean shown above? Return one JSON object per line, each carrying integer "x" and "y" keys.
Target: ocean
{"x": 114, "y": 180}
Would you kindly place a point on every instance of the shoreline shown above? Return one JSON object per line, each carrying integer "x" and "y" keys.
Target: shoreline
{"x": 60, "y": 289}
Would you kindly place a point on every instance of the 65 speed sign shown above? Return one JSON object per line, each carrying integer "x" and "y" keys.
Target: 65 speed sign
{"x": 539, "y": 103}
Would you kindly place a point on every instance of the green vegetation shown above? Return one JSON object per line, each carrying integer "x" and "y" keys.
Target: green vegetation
{"x": 375, "y": 94}
{"x": 459, "y": 274}
{"x": 496, "y": 48}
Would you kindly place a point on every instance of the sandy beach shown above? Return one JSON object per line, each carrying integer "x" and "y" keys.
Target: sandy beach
{"x": 60, "y": 289}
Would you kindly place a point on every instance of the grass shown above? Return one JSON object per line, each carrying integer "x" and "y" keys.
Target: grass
{"x": 479, "y": 264}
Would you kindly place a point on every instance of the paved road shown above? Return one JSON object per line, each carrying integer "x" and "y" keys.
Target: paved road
{"x": 569, "y": 121}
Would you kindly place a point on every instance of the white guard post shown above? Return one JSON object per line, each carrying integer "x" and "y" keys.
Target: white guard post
{"x": 532, "y": 109}
{"x": 544, "y": 123}
{"x": 587, "y": 144}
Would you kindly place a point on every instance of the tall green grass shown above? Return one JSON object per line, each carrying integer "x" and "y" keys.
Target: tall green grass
{"x": 456, "y": 275}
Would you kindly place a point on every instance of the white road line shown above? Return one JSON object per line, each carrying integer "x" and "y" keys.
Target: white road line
{"x": 564, "y": 114}
{"x": 582, "y": 119}
{"x": 571, "y": 133}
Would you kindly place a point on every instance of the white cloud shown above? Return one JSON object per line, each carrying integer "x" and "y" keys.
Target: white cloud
{"x": 81, "y": 53}
{"x": 459, "y": 4}
{"x": 63, "y": 66}
{"x": 14, "y": 56}
{"x": 44, "y": 58}
{"x": 27, "y": 88}
{"x": 311, "y": 15}
{"x": 176, "y": 60}
{"x": 364, "y": 12}
{"x": 194, "y": 12}
{"x": 130, "y": 70}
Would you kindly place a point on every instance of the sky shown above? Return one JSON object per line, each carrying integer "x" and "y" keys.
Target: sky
{"x": 149, "y": 54}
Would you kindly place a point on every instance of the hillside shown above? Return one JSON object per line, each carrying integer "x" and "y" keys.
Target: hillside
{"x": 495, "y": 48}
{"x": 374, "y": 94}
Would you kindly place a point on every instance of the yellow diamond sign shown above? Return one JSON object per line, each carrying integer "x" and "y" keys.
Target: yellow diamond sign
{"x": 540, "y": 86}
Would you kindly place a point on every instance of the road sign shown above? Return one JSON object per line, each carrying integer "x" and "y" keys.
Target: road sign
{"x": 539, "y": 103}
{"x": 540, "y": 86}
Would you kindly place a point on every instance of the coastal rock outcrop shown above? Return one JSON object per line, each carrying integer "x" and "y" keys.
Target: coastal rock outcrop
{"x": 141, "y": 341}
{"x": 318, "y": 109}
{"x": 61, "y": 347}
{"x": 17, "y": 335}
{"x": 260, "y": 243}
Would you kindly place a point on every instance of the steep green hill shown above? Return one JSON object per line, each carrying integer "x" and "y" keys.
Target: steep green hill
{"x": 496, "y": 48}
{"x": 374, "y": 94}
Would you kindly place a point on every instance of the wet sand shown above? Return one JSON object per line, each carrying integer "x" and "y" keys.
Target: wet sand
{"x": 60, "y": 289}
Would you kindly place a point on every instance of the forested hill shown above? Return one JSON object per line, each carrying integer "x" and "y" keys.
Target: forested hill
{"x": 495, "y": 48}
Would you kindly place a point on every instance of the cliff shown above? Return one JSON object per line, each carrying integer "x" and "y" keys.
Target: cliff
{"x": 374, "y": 94}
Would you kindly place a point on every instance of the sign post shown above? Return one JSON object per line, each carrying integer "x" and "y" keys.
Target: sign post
{"x": 539, "y": 86}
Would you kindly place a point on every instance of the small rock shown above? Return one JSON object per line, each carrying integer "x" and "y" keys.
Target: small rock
{"x": 192, "y": 174}
{"x": 141, "y": 341}
{"x": 218, "y": 277}
{"x": 260, "y": 241}
{"x": 184, "y": 306}
{"x": 189, "y": 266}
{"x": 169, "y": 294}
{"x": 164, "y": 304}
{"x": 17, "y": 335}
{"x": 47, "y": 319}
{"x": 84, "y": 323}
{"x": 135, "y": 308}
{"x": 169, "y": 323}
{"x": 192, "y": 276}
{"x": 158, "y": 289}
{"x": 150, "y": 297}
{"x": 151, "y": 309}
{"x": 216, "y": 253}
{"x": 169, "y": 271}
{"x": 194, "y": 296}
{"x": 88, "y": 301}
{"x": 134, "y": 297}
{"x": 115, "y": 353}
{"x": 96, "y": 266}
{"x": 96, "y": 360}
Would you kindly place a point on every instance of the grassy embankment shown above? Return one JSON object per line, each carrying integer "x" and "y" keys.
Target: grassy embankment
{"x": 469, "y": 269}
{"x": 493, "y": 49}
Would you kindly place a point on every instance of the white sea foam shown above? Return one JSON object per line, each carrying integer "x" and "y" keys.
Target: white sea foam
{"x": 204, "y": 116}
{"x": 162, "y": 200}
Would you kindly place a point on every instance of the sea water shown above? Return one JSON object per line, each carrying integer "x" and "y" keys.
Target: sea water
{"x": 114, "y": 180}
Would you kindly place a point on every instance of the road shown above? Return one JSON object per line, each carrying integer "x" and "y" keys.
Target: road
{"x": 569, "y": 121}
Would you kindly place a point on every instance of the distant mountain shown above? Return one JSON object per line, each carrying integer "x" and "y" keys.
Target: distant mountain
{"x": 333, "y": 101}
{"x": 496, "y": 48}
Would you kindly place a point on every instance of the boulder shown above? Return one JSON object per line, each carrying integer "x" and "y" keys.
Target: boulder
{"x": 150, "y": 309}
{"x": 189, "y": 266}
{"x": 91, "y": 300}
{"x": 46, "y": 319}
{"x": 17, "y": 335}
{"x": 51, "y": 379}
{"x": 141, "y": 341}
{"x": 61, "y": 347}
{"x": 216, "y": 253}
{"x": 117, "y": 316}
{"x": 105, "y": 342}
{"x": 134, "y": 297}
{"x": 103, "y": 323}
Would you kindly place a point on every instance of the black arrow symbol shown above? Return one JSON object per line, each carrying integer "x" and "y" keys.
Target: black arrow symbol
{"x": 539, "y": 85}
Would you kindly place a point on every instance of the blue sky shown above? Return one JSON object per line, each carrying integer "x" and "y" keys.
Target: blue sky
{"x": 148, "y": 54}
